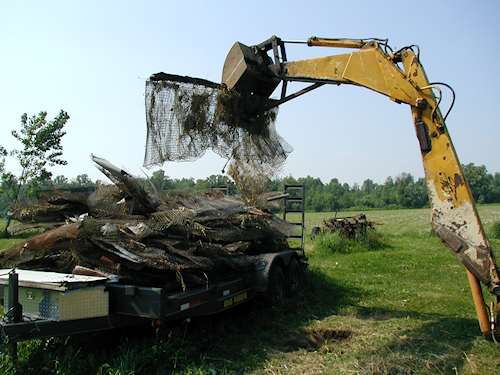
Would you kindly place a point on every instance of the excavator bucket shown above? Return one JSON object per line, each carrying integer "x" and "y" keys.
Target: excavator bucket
{"x": 246, "y": 70}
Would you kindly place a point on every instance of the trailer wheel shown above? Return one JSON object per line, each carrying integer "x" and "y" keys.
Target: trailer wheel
{"x": 294, "y": 277}
{"x": 276, "y": 285}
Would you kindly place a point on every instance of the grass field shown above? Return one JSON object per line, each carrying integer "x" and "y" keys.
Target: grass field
{"x": 403, "y": 309}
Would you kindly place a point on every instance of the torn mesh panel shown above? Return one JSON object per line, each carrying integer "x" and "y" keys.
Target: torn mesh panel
{"x": 174, "y": 131}
{"x": 185, "y": 118}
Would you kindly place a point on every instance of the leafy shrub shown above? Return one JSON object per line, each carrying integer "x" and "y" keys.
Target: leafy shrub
{"x": 334, "y": 242}
{"x": 495, "y": 230}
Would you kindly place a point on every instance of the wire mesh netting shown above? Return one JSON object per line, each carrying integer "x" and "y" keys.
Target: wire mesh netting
{"x": 187, "y": 116}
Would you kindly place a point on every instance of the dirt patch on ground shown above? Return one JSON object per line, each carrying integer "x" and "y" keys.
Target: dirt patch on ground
{"x": 312, "y": 339}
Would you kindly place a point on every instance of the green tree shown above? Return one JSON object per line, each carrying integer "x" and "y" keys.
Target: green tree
{"x": 4, "y": 186}
{"x": 82, "y": 180}
{"x": 41, "y": 148}
{"x": 160, "y": 180}
{"x": 480, "y": 182}
{"x": 60, "y": 181}
{"x": 3, "y": 154}
{"x": 495, "y": 190}
{"x": 368, "y": 186}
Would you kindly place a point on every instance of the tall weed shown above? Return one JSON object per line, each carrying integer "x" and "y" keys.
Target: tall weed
{"x": 334, "y": 242}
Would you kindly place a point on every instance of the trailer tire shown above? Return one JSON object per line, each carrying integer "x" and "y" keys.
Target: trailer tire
{"x": 294, "y": 277}
{"x": 276, "y": 289}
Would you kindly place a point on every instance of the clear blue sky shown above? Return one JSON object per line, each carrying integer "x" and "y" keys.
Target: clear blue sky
{"x": 91, "y": 58}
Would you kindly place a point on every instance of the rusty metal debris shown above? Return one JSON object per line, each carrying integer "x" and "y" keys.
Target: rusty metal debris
{"x": 350, "y": 227}
{"x": 123, "y": 230}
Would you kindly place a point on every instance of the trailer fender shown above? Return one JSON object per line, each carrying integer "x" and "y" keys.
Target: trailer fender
{"x": 263, "y": 266}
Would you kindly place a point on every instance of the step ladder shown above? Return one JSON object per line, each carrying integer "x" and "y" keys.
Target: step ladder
{"x": 294, "y": 202}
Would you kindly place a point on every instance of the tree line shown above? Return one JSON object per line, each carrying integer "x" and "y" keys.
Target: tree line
{"x": 41, "y": 148}
{"x": 403, "y": 191}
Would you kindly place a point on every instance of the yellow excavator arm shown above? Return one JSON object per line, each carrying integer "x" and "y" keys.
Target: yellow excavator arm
{"x": 400, "y": 76}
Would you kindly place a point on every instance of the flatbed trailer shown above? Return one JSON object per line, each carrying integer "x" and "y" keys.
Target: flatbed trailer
{"x": 275, "y": 275}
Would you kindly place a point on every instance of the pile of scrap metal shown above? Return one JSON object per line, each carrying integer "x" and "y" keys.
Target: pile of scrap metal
{"x": 350, "y": 227}
{"x": 123, "y": 230}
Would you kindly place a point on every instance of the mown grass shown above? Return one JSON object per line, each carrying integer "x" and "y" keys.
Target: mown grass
{"x": 7, "y": 242}
{"x": 407, "y": 306}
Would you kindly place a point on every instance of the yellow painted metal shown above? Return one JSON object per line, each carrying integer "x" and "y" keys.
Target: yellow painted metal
{"x": 453, "y": 208}
{"x": 454, "y": 215}
{"x": 368, "y": 67}
{"x": 238, "y": 298}
{"x": 452, "y": 203}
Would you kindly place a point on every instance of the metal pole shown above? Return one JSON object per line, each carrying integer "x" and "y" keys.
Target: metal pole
{"x": 477, "y": 297}
{"x": 14, "y": 310}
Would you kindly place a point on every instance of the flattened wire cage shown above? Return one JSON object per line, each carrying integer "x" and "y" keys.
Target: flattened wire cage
{"x": 183, "y": 122}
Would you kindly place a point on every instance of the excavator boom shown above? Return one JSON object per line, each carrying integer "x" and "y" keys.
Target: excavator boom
{"x": 399, "y": 75}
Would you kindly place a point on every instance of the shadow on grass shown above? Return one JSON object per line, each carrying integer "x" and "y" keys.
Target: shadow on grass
{"x": 242, "y": 339}
{"x": 233, "y": 342}
{"x": 436, "y": 345}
